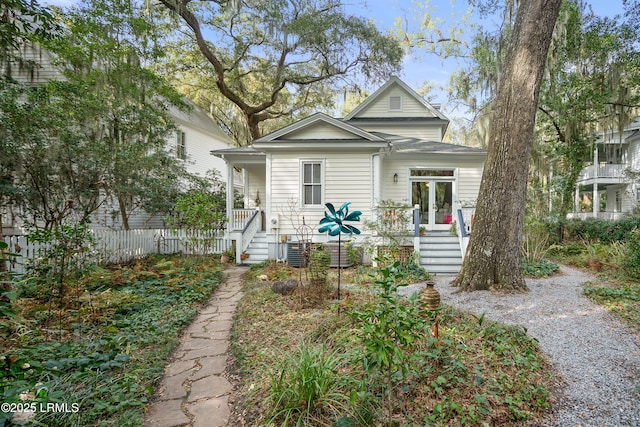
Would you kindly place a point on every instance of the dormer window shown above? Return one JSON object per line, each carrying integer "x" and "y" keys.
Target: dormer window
{"x": 395, "y": 103}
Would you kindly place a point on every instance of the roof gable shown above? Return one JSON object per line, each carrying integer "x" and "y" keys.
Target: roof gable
{"x": 319, "y": 126}
{"x": 395, "y": 99}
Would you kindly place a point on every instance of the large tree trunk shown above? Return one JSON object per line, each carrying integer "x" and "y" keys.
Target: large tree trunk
{"x": 3, "y": 264}
{"x": 124, "y": 216}
{"x": 493, "y": 257}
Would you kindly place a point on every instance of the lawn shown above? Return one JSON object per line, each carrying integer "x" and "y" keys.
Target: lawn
{"x": 375, "y": 358}
{"x": 96, "y": 353}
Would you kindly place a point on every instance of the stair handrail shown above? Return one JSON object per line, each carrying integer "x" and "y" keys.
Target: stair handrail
{"x": 464, "y": 230}
{"x": 248, "y": 232}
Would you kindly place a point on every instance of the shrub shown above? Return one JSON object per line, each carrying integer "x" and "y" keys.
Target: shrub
{"x": 631, "y": 263}
{"x": 541, "y": 268}
{"x": 388, "y": 330}
{"x": 605, "y": 231}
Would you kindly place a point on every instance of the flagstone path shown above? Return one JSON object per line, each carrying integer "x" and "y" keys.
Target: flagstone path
{"x": 194, "y": 391}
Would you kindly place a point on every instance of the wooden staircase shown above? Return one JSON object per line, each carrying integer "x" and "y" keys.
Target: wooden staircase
{"x": 258, "y": 249}
{"x": 440, "y": 253}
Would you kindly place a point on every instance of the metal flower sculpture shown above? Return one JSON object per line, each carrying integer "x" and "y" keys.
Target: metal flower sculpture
{"x": 334, "y": 223}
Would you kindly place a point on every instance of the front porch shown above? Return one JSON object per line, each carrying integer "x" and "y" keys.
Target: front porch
{"x": 440, "y": 251}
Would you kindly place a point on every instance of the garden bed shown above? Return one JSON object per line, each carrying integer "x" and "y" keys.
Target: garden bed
{"x": 100, "y": 349}
{"x": 316, "y": 365}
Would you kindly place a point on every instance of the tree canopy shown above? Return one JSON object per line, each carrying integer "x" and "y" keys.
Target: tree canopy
{"x": 99, "y": 133}
{"x": 273, "y": 60}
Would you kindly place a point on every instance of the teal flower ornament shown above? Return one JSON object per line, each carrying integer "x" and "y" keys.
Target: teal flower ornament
{"x": 334, "y": 221}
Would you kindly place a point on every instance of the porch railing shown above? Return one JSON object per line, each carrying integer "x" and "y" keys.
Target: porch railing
{"x": 603, "y": 170}
{"x": 240, "y": 218}
{"x": 244, "y": 225}
{"x": 465, "y": 221}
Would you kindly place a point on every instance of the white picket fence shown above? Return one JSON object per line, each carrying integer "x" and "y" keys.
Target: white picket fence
{"x": 114, "y": 246}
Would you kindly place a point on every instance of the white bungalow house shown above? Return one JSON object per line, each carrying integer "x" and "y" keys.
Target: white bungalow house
{"x": 389, "y": 148}
{"x": 608, "y": 182}
{"x": 197, "y": 134}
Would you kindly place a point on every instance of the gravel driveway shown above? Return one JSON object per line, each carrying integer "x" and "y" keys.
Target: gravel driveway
{"x": 598, "y": 357}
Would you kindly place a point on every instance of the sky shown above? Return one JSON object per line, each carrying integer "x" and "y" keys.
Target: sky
{"x": 419, "y": 67}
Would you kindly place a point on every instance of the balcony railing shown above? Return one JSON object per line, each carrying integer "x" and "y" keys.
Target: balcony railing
{"x": 599, "y": 215}
{"x": 603, "y": 170}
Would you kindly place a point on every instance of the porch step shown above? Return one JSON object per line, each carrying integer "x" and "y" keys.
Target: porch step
{"x": 258, "y": 249}
{"x": 440, "y": 253}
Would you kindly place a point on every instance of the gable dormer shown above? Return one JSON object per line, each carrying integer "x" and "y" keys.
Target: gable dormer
{"x": 397, "y": 109}
{"x": 320, "y": 129}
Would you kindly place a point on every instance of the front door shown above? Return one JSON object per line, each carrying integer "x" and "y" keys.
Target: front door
{"x": 434, "y": 194}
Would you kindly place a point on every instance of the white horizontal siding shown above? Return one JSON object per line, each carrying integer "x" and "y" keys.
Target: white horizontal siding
{"x": 347, "y": 179}
{"x": 466, "y": 188}
{"x": 410, "y": 106}
{"x": 634, "y": 154}
{"x": 43, "y": 71}
{"x": 469, "y": 183}
{"x": 321, "y": 130}
{"x": 198, "y": 147}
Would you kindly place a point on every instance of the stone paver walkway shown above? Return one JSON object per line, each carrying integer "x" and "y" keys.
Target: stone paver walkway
{"x": 194, "y": 391}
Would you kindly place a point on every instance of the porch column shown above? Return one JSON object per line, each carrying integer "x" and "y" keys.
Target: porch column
{"x": 377, "y": 181}
{"x": 229, "y": 202}
{"x": 596, "y": 173}
{"x": 576, "y": 199}
{"x": 596, "y": 200}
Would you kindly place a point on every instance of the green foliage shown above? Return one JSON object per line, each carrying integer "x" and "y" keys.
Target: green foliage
{"x": 276, "y": 61}
{"x": 98, "y": 136}
{"x": 64, "y": 252}
{"x": 388, "y": 330}
{"x": 22, "y": 21}
{"x": 541, "y": 268}
{"x": 319, "y": 261}
{"x": 306, "y": 385}
{"x": 201, "y": 216}
{"x": 623, "y": 299}
{"x": 535, "y": 242}
{"x": 631, "y": 262}
{"x": 112, "y": 347}
{"x": 605, "y": 231}
{"x": 453, "y": 370}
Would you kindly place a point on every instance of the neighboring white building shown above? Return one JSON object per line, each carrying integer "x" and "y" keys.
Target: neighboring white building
{"x": 607, "y": 177}
{"x": 389, "y": 148}
{"x": 196, "y": 136}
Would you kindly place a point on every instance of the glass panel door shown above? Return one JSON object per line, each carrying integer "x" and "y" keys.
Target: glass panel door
{"x": 420, "y": 196}
{"x": 435, "y": 199}
{"x": 442, "y": 205}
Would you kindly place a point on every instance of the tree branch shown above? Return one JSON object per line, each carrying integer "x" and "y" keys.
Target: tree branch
{"x": 561, "y": 136}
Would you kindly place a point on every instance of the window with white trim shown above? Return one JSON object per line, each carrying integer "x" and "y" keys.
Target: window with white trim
{"x": 181, "y": 146}
{"x": 312, "y": 182}
{"x": 395, "y": 103}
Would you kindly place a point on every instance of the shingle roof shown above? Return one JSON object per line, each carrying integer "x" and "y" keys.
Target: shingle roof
{"x": 406, "y": 145}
